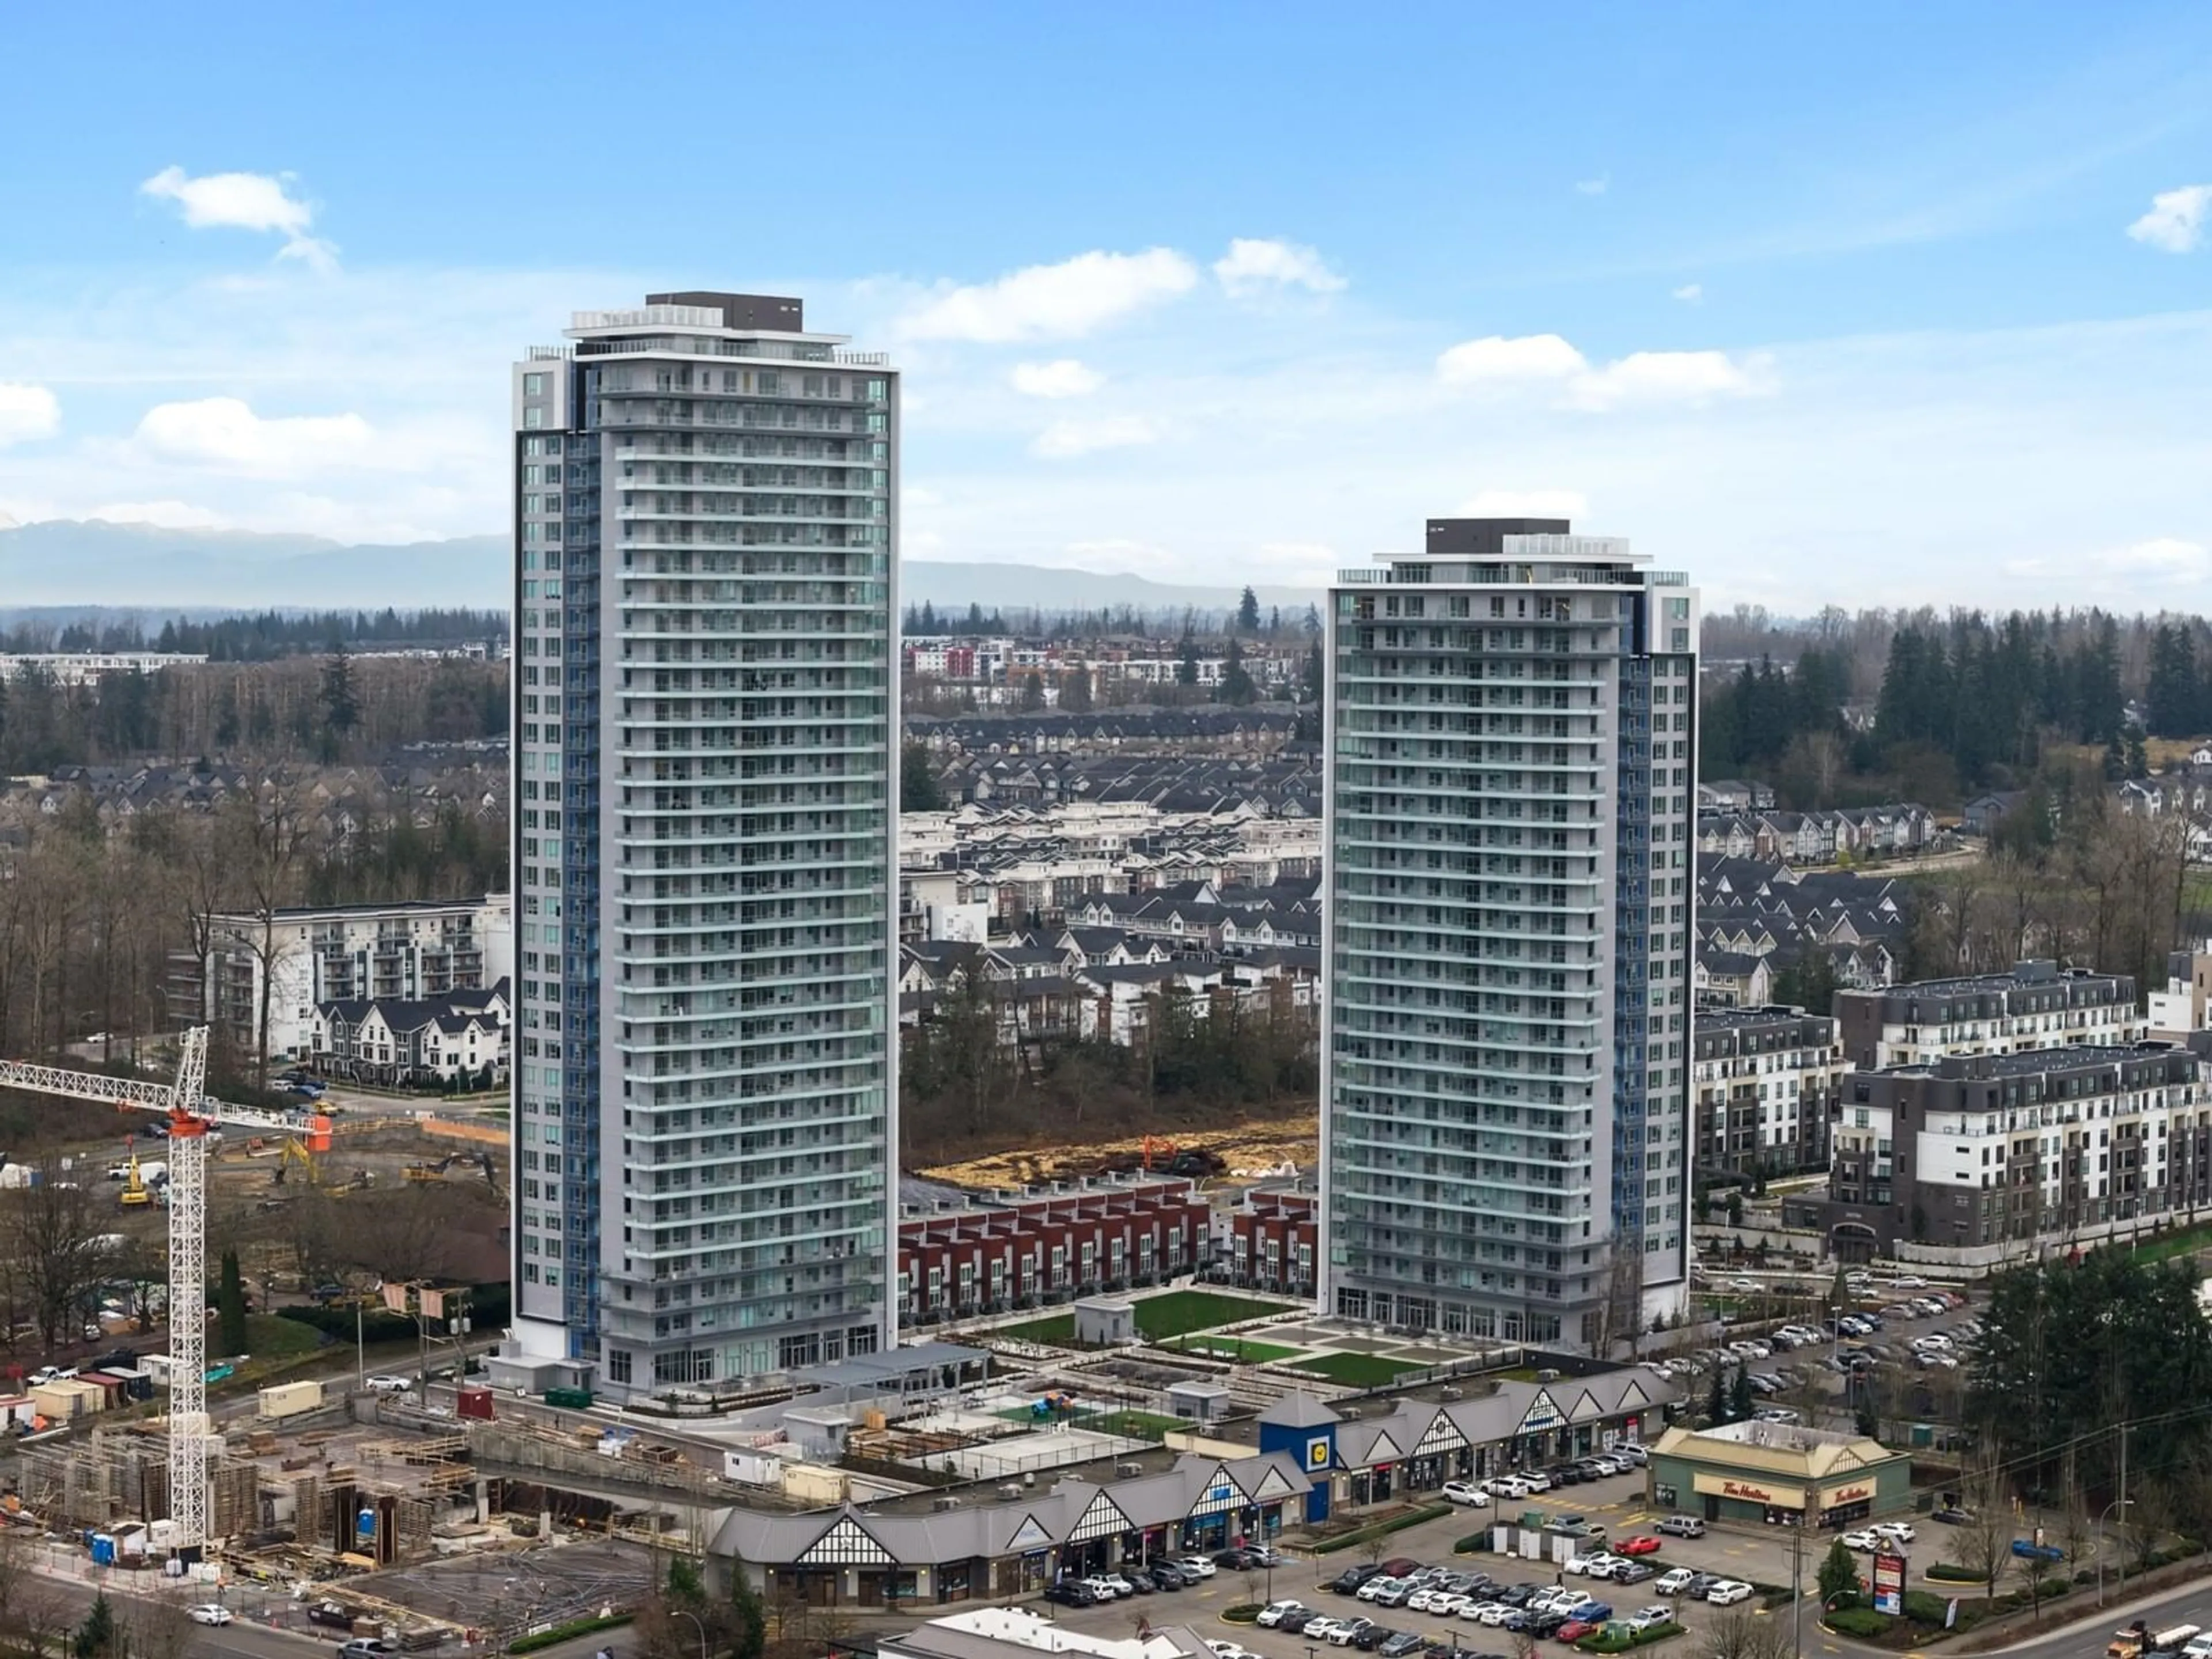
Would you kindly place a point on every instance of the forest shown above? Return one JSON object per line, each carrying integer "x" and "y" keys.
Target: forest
{"x": 325, "y": 708}
{"x": 962, "y": 1088}
{"x": 1844, "y": 711}
{"x": 258, "y": 637}
{"x": 89, "y": 919}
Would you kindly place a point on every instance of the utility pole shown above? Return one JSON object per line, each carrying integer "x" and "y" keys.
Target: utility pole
{"x": 1797, "y": 1573}
{"x": 2123, "y": 1504}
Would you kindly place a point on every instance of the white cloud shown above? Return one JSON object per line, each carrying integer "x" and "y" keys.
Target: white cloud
{"x": 1495, "y": 358}
{"x": 1690, "y": 293}
{"x": 163, "y": 515}
{"x": 1670, "y": 377}
{"x": 1254, "y": 264}
{"x": 1596, "y": 186}
{"x": 226, "y": 433}
{"x": 1641, "y": 377}
{"x": 1065, "y": 439}
{"x": 27, "y": 412}
{"x": 1064, "y": 377}
{"x": 245, "y": 201}
{"x": 1044, "y": 302}
{"x": 1523, "y": 504}
{"x": 2177, "y": 219}
{"x": 2162, "y": 559}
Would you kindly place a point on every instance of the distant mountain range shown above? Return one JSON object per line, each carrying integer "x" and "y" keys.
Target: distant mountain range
{"x": 129, "y": 567}
{"x": 63, "y": 562}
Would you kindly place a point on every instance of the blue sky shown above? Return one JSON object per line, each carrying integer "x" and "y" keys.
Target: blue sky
{"x": 1872, "y": 305}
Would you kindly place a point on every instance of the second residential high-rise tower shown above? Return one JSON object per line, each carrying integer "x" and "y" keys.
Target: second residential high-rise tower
{"x": 706, "y": 699}
{"x": 1511, "y": 790}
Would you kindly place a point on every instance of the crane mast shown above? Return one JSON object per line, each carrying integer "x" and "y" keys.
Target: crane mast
{"x": 188, "y": 1115}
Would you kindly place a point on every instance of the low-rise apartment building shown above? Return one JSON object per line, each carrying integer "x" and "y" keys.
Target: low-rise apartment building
{"x": 1973, "y": 1150}
{"x": 309, "y": 955}
{"x": 2037, "y": 1006}
{"x": 1763, "y": 1082}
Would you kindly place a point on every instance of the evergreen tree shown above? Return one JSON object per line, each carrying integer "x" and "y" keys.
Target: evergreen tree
{"x": 96, "y": 1638}
{"x": 1312, "y": 623}
{"x": 1075, "y": 691}
{"x": 1838, "y": 1576}
{"x": 230, "y": 1306}
{"x": 1186, "y": 663}
{"x": 1717, "y": 1405}
{"x": 1274, "y": 621}
{"x": 1248, "y": 612}
{"x": 1740, "y": 1407}
{"x": 1236, "y": 687}
{"x": 1032, "y": 692}
{"x": 748, "y": 1619}
{"x": 2172, "y": 690}
{"x": 341, "y": 698}
{"x": 919, "y": 789}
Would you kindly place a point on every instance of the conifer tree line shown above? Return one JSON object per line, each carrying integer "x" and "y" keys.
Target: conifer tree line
{"x": 255, "y": 638}
{"x": 1248, "y": 618}
{"x": 1845, "y": 710}
{"x": 329, "y": 706}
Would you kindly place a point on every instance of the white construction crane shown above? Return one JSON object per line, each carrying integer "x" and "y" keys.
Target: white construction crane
{"x": 187, "y": 1113}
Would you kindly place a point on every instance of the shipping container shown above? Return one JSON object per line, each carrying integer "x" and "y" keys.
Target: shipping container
{"x": 291, "y": 1399}
{"x": 568, "y": 1399}
{"x": 68, "y": 1399}
{"x": 475, "y": 1401}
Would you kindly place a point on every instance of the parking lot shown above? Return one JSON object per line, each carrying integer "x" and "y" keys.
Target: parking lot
{"x": 1617, "y": 1504}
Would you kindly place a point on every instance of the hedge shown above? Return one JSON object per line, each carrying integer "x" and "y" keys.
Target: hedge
{"x": 558, "y": 1633}
{"x": 1863, "y": 1622}
{"x": 377, "y": 1324}
{"x": 1243, "y": 1613}
{"x": 1950, "y": 1573}
{"x": 1608, "y": 1642}
{"x": 1474, "y": 1544}
{"x": 1381, "y": 1528}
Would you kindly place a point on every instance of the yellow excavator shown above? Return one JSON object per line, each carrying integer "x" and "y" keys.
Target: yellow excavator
{"x": 135, "y": 1194}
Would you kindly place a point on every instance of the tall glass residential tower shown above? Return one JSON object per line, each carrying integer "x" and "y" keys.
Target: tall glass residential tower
{"x": 1511, "y": 789}
{"x": 706, "y": 693}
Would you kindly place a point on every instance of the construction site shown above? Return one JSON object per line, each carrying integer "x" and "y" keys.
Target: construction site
{"x": 387, "y": 1517}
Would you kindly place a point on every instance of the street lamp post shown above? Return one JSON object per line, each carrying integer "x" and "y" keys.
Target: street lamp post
{"x": 699, "y": 1625}
{"x": 2116, "y": 1503}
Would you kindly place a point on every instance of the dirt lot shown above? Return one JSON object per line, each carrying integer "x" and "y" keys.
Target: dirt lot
{"x": 1248, "y": 1148}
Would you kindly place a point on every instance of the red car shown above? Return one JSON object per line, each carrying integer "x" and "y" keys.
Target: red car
{"x": 1645, "y": 1544}
{"x": 1575, "y": 1629}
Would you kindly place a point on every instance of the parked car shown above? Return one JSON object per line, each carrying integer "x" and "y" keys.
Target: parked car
{"x": 210, "y": 1613}
{"x": 1221, "y": 1649}
{"x": 1347, "y": 1631}
{"x": 1645, "y": 1618}
{"x": 1951, "y": 1515}
{"x": 1372, "y": 1590}
{"x": 1067, "y": 1593}
{"x": 1272, "y": 1616}
{"x": 1680, "y": 1526}
{"x": 1642, "y": 1544}
{"x": 386, "y": 1384}
{"x": 1399, "y": 1644}
{"x": 1322, "y": 1628}
{"x": 2029, "y": 1550}
{"x": 1165, "y": 1576}
{"x": 1899, "y": 1531}
{"x": 1467, "y": 1493}
{"x": 1575, "y": 1629}
{"x": 1728, "y": 1592}
{"x": 1373, "y": 1636}
{"x": 1348, "y": 1581}
{"x": 1633, "y": 1572}
{"x": 1195, "y": 1566}
{"x": 368, "y": 1647}
{"x": 1398, "y": 1566}
{"x": 1674, "y": 1581}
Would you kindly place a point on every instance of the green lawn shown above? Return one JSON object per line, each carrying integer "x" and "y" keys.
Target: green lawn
{"x": 1055, "y": 1330}
{"x": 1360, "y": 1371}
{"x": 1179, "y": 1313}
{"x": 2173, "y": 1243}
{"x": 1159, "y": 1318}
{"x": 1236, "y": 1350}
